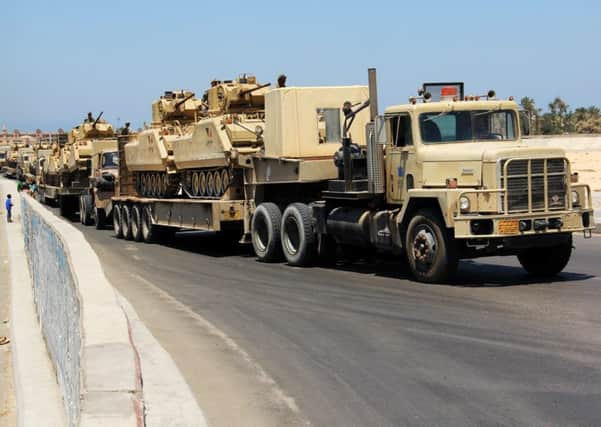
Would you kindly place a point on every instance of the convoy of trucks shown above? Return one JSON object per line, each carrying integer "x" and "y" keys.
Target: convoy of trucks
{"x": 301, "y": 172}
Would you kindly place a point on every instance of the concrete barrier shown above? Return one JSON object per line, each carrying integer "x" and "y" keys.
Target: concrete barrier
{"x": 85, "y": 328}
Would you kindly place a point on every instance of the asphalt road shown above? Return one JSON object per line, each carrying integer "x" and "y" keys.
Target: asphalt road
{"x": 363, "y": 345}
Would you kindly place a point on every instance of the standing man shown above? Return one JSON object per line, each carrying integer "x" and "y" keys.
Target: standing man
{"x": 282, "y": 80}
{"x": 9, "y": 208}
{"x": 90, "y": 118}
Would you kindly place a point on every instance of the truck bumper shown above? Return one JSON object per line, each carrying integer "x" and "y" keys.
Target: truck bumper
{"x": 476, "y": 226}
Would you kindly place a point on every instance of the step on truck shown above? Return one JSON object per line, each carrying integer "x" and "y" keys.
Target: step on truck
{"x": 299, "y": 172}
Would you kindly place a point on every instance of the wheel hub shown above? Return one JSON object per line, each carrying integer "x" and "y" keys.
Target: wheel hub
{"x": 424, "y": 247}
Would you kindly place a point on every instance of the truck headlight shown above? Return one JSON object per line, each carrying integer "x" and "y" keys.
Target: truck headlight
{"x": 575, "y": 198}
{"x": 464, "y": 203}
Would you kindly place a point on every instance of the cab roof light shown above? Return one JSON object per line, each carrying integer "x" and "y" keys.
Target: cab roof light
{"x": 448, "y": 91}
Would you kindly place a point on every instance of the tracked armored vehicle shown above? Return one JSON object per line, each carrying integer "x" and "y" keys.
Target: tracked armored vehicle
{"x": 66, "y": 171}
{"x": 193, "y": 147}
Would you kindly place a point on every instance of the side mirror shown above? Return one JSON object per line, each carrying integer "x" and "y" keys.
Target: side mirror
{"x": 525, "y": 122}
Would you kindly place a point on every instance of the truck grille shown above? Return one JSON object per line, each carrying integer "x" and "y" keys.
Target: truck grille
{"x": 528, "y": 180}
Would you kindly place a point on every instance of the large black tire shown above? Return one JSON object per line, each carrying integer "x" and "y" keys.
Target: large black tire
{"x": 149, "y": 230}
{"x": 136, "y": 223}
{"x": 126, "y": 222}
{"x": 86, "y": 207}
{"x": 548, "y": 261}
{"x": 117, "y": 221}
{"x": 265, "y": 232}
{"x": 99, "y": 218}
{"x": 431, "y": 251}
{"x": 298, "y": 238}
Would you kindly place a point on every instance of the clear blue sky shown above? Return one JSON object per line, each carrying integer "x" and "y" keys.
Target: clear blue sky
{"x": 62, "y": 58}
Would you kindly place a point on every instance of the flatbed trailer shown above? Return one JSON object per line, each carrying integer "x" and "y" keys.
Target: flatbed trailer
{"x": 143, "y": 219}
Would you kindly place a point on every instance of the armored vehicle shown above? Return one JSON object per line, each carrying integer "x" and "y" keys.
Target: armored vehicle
{"x": 26, "y": 161}
{"x": 66, "y": 172}
{"x": 441, "y": 178}
{"x": 193, "y": 146}
{"x": 4, "y": 149}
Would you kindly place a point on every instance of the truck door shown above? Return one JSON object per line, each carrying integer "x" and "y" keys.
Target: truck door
{"x": 400, "y": 153}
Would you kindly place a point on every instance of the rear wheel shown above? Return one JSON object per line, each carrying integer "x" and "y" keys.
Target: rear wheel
{"x": 149, "y": 230}
{"x": 431, "y": 252}
{"x": 136, "y": 223}
{"x": 546, "y": 262}
{"x": 117, "y": 221}
{"x": 298, "y": 238}
{"x": 265, "y": 232}
{"x": 126, "y": 222}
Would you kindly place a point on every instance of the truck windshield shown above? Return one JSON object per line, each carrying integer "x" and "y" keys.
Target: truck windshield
{"x": 465, "y": 126}
{"x": 110, "y": 160}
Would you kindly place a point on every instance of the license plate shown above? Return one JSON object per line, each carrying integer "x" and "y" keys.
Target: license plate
{"x": 509, "y": 227}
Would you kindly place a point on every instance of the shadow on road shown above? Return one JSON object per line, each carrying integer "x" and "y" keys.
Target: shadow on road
{"x": 471, "y": 273}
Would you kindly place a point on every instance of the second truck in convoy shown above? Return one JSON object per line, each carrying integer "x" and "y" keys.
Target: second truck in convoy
{"x": 441, "y": 178}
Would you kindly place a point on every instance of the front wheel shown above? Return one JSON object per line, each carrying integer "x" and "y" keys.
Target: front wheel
{"x": 548, "y": 261}
{"x": 431, "y": 252}
{"x": 99, "y": 218}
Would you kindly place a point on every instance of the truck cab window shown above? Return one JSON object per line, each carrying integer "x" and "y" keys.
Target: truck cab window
{"x": 400, "y": 130}
{"x": 328, "y": 125}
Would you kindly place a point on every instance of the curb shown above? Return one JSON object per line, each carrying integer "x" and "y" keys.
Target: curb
{"x": 110, "y": 376}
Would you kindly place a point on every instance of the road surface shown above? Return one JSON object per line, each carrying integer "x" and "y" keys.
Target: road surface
{"x": 362, "y": 344}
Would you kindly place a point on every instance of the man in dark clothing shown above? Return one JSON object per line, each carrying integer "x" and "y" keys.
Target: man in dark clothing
{"x": 282, "y": 80}
{"x": 90, "y": 118}
{"x": 9, "y": 207}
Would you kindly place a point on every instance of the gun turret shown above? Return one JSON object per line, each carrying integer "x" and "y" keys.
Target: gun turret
{"x": 247, "y": 91}
{"x": 97, "y": 119}
{"x": 178, "y": 103}
{"x": 229, "y": 97}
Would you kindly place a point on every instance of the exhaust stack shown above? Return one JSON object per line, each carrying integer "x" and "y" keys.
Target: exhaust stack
{"x": 375, "y": 152}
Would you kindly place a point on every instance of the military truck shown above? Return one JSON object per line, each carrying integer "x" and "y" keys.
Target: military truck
{"x": 95, "y": 205}
{"x": 444, "y": 177}
{"x": 66, "y": 171}
{"x": 4, "y": 149}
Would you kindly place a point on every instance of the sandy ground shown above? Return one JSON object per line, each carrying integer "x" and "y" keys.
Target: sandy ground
{"x": 588, "y": 166}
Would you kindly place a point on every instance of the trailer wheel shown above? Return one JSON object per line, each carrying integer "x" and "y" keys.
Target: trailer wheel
{"x": 546, "y": 262}
{"x": 298, "y": 237}
{"x": 126, "y": 222}
{"x": 117, "y": 221}
{"x": 265, "y": 232}
{"x": 99, "y": 218}
{"x": 136, "y": 223}
{"x": 431, "y": 252}
{"x": 149, "y": 230}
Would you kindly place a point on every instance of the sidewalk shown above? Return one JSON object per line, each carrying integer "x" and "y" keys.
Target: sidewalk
{"x": 8, "y": 411}
{"x": 38, "y": 399}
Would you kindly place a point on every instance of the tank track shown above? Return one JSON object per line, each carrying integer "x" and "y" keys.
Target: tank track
{"x": 206, "y": 183}
{"x": 157, "y": 184}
